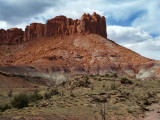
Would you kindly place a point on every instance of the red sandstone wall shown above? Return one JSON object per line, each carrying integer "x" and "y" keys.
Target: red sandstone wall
{"x": 11, "y": 36}
{"x": 59, "y": 25}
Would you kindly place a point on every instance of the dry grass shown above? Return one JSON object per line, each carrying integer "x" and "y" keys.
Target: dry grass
{"x": 83, "y": 96}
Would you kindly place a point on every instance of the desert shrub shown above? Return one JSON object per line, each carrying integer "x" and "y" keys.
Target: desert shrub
{"x": 20, "y": 101}
{"x": 4, "y": 107}
{"x": 10, "y": 93}
{"x": 54, "y": 92}
{"x": 126, "y": 81}
{"x": 131, "y": 110}
{"x": 72, "y": 94}
{"x": 51, "y": 93}
{"x": 99, "y": 79}
{"x": 151, "y": 94}
{"x": 123, "y": 79}
{"x": 106, "y": 75}
{"x": 113, "y": 86}
{"x": 47, "y": 96}
{"x": 34, "y": 96}
{"x": 115, "y": 75}
{"x": 63, "y": 83}
{"x": 86, "y": 78}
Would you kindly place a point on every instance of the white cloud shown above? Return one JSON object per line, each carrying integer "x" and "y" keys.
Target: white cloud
{"x": 136, "y": 40}
{"x": 150, "y": 21}
{"x": 3, "y": 24}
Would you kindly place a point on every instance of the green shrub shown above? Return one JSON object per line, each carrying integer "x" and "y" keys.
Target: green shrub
{"x": 4, "y": 107}
{"x": 131, "y": 110}
{"x": 115, "y": 75}
{"x": 106, "y": 75}
{"x": 47, "y": 96}
{"x": 54, "y": 92}
{"x": 35, "y": 96}
{"x": 113, "y": 86}
{"x": 10, "y": 93}
{"x": 151, "y": 94}
{"x": 20, "y": 101}
{"x": 126, "y": 81}
{"x": 51, "y": 93}
{"x": 63, "y": 83}
{"x": 86, "y": 78}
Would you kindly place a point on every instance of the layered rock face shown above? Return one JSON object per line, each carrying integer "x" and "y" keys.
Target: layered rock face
{"x": 57, "y": 26}
{"x": 61, "y": 25}
{"x": 34, "y": 31}
{"x": 93, "y": 24}
{"x": 11, "y": 36}
{"x": 3, "y": 36}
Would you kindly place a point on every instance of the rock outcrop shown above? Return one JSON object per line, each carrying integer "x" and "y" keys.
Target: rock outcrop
{"x": 11, "y": 36}
{"x": 93, "y": 24}
{"x": 34, "y": 31}
{"x": 57, "y": 26}
{"x": 3, "y": 36}
{"x": 62, "y": 25}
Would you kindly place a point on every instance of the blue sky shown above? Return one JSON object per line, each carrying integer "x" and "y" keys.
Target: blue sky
{"x": 131, "y": 23}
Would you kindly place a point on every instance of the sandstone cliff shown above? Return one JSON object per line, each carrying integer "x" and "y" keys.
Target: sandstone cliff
{"x": 57, "y": 26}
{"x": 11, "y": 36}
{"x": 34, "y": 31}
{"x": 62, "y": 25}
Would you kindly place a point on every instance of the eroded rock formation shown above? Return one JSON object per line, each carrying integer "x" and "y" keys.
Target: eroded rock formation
{"x": 11, "y": 36}
{"x": 93, "y": 24}
{"x": 59, "y": 25}
{"x": 34, "y": 31}
{"x": 62, "y": 25}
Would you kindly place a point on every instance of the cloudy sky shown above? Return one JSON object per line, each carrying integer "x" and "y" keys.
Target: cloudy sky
{"x": 134, "y": 24}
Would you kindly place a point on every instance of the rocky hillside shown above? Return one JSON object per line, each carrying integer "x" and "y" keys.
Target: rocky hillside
{"x": 84, "y": 97}
{"x": 63, "y": 47}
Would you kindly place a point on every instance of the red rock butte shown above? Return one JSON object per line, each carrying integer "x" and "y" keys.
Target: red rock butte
{"x": 66, "y": 46}
{"x": 59, "y": 25}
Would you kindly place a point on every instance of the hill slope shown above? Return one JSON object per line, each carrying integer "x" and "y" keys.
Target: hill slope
{"x": 71, "y": 47}
{"x": 89, "y": 53}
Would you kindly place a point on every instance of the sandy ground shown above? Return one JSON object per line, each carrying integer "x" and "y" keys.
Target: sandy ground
{"x": 154, "y": 112}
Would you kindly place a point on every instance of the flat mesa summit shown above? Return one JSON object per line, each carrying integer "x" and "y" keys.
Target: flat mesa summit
{"x": 63, "y": 47}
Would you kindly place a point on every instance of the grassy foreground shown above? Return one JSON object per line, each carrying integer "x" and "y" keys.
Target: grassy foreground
{"x": 85, "y": 97}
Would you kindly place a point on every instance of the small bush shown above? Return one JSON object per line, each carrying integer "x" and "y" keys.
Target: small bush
{"x": 35, "y": 97}
{"x": 113, "y": 87}
{"x": 115, "y": 75}
{"x": 54, "y": 92}
{"x": 72, "y": 94}
{"x": 20, "y": 101}
{"x": 47, "y": 96}
{"x": 126, "y": 81}
{"x": 4, "y": 107}
{"x": 10, "y": 93}
{"x": 151, "y": 94}
{"x": 131, "y": 110}
{"x": 106, "y": 75}
{"x": 51, "y": 93}
{"x": 63, "y": 83}
{"x": 99, "y": 79}
{"x": 86, "y": 78}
